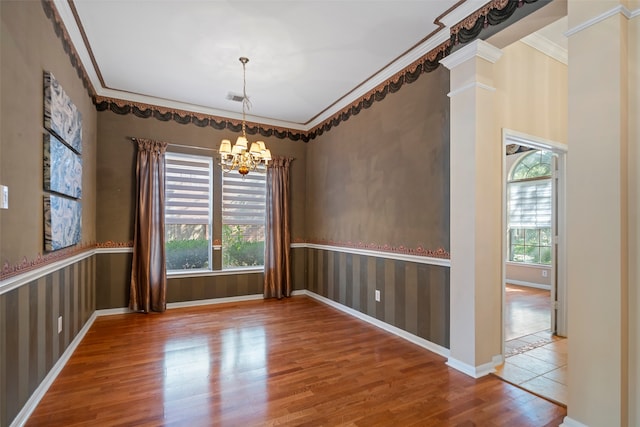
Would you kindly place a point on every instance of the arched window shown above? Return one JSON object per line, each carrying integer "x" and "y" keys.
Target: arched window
{"x": 530, "y": 208}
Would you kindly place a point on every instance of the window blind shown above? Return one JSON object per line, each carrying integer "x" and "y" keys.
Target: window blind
{"x": 188, "y": 190}
{"x": 530, "y": 204}
{"x": 243, "y": 200}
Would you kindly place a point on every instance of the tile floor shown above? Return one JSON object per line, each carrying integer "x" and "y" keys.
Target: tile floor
{"x": 535, "y": 359}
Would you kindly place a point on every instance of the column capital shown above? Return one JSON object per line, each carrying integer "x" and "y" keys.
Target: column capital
{"x": 477, "y": 48}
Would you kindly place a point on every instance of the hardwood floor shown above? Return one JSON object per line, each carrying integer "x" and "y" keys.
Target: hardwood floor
{"x": 527, "y": 311}
{"x": 289, "y": 362}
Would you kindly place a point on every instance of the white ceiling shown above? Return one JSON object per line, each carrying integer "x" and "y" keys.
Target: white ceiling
{"x": 308, "y": 58}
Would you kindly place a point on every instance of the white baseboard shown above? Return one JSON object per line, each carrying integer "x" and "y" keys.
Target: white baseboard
{"x": 442, "y": 351}
{"x": 568, "y": 422}
{"x": 528, "y": 284}
{"x": 39, "y": 392}
{"x": 475, "y": 371}
{"x": 196, "y": 303}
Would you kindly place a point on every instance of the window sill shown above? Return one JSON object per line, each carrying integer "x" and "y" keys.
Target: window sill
{"x": 207, "y": 273}
{"x": 525, "y": 264}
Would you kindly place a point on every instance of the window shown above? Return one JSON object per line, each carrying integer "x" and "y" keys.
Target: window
{"x": 243, "y": 218}
{"x": 530, "y": 209}
{"x": 188, "y": 212}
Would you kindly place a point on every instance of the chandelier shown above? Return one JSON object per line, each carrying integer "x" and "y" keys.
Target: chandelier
{"x": 241, "y": 156}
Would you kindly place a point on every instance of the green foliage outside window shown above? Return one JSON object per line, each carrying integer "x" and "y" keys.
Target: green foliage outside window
{"x": 187, "y": 254}
{"x": 531, "y": 246}
{"x": 238, "y": 250}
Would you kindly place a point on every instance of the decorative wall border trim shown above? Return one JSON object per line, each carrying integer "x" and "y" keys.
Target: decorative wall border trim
{"x": 51, "y": 376}
{"x": 493, "y": 13}
{"x": 426, "y": 344}
{"x": 620, "y": 9}
{"x": 52, "y": 13}
{"x": 50, "y": 261}
{"x": 439, "y": 257}
{"x": 13, "y": 277}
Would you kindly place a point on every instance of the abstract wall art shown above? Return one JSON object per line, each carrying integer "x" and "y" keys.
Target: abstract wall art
{"x": 62, "y": 222}
{"x": 61, "y": 116}
{"x": 62, "y": 168}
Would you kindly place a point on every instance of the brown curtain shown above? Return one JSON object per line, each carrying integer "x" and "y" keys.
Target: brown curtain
{"x": 148, "y": 275}
{"x": 277, "y": 257}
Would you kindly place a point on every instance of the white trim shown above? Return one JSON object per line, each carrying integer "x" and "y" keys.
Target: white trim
{"x": 122, "y": 250}
{"x": 522, "y": 264}
{"x": 475, "y": 371}
{"x": 443, "y": 262}
{"x": 477, "y": 48}
{"x": 547, "y": 47}
{"x": 569, "y": 422}
{"x": 42, "y": 388}
{"x": 532, "y": 141}
{"x": 113, "y": 311}
{"x": 433, "y": 347}
{"x": 620, "y": 9}
{"x": 471, "y": 85}
{"x": 461, "y": 12}
{"x": 528, "y": 284}
{"x": 29, "y": 276}
{"x": 206, "y": 273}
{"x": 195, "y": 303}
{"x": 297, "y": 245}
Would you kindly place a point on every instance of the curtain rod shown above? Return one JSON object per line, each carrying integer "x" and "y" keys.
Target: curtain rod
{"x": 169, "y": 144}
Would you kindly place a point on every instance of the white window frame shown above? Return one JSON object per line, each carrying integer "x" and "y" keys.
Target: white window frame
{"x": 209, "y": 224}
{"x": 233, "y": 179}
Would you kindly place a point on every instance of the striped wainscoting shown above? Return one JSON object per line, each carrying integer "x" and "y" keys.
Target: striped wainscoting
{"x": 30, "y": 344}
{"x": 414, "y": 296}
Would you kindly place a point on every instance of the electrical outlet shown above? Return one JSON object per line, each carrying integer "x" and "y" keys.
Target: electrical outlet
{"x": 377, "y": 295}
{"x": 4, "y": 197}
{"x": 544, "y": 273}
{"x": 59, "y": 324}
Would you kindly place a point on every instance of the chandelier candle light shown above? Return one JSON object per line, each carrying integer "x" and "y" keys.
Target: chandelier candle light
{"x": 239, "y": 156}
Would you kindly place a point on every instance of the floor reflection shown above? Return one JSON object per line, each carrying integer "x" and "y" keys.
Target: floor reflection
{"x": 187, "y": 376}
{"x": 244, "y": 364}
{"x": 203, "y": 374}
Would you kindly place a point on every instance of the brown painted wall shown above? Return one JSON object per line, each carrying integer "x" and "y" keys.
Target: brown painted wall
{"x": 382, "y": 177}
{"x": 116, "y": 205}
{"x": 29, "y": 46}
{"x": 29, "y": 341}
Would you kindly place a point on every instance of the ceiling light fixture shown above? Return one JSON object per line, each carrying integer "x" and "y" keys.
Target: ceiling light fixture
{"x": 239, "y": 156}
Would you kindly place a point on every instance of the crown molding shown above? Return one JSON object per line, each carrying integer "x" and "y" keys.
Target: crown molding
{"x": 477, "y": 48}
{"x": 547, "y": 47}
{"x": 620, "y": 9}
{"x": 391, "y": 70}
{"x": 461, "y": 12}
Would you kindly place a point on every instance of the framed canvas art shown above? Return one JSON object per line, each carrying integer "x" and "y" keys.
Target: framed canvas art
{"x": 62, "y": 222}
{"x": 61, "y": 116}
{"x": 62, "y": 168}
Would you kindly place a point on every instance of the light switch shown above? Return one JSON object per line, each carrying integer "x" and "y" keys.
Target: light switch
{"x": 4, "y": 197}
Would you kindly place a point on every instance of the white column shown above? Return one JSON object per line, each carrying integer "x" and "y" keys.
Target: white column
{"x": 602, "y": 221}
{"x": 476, "y": 242}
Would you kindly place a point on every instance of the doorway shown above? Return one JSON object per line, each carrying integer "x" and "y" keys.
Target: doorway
{"x": 534, "y": 288}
